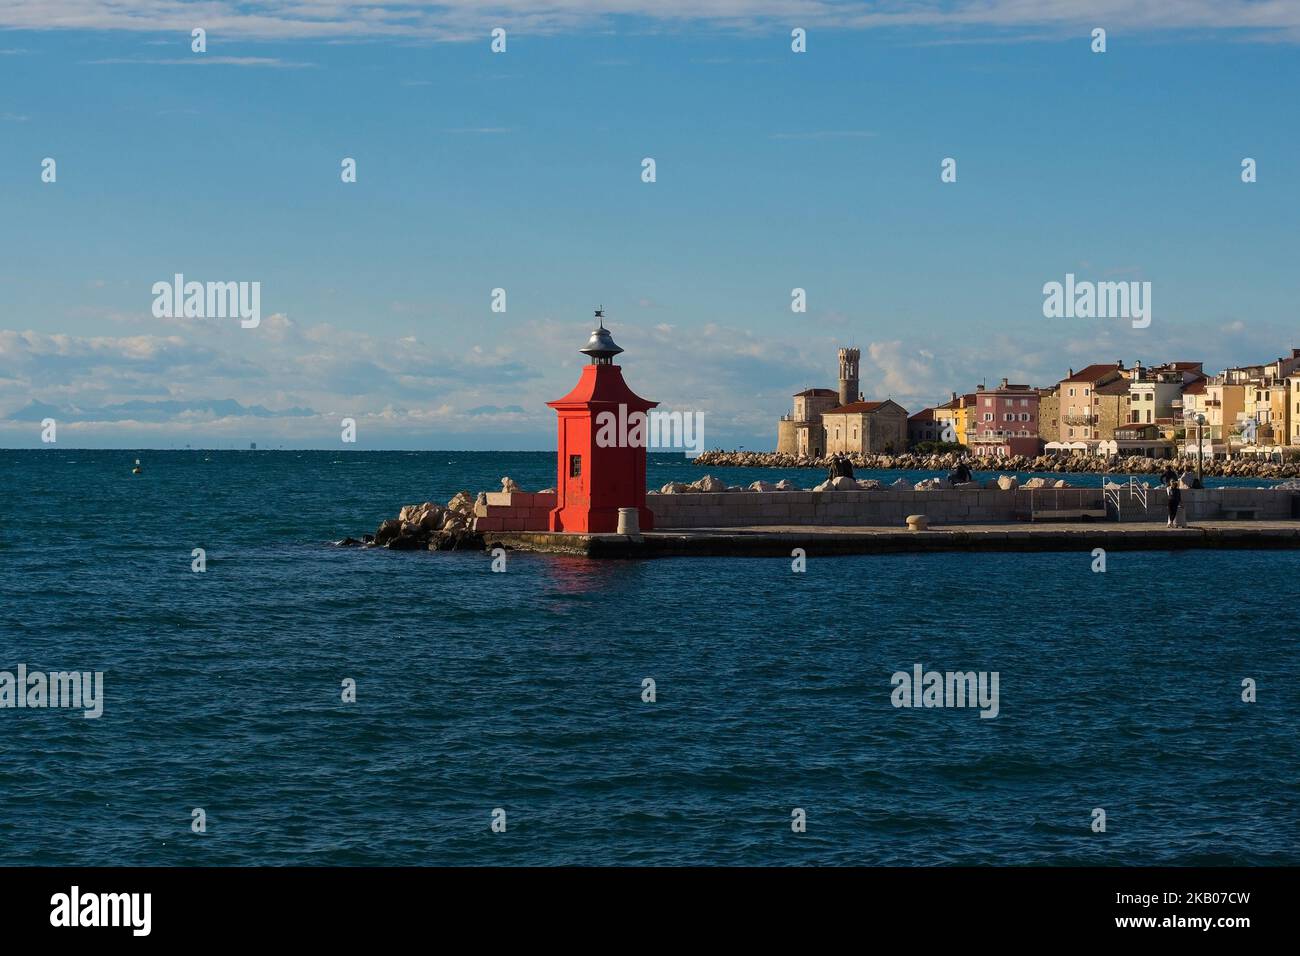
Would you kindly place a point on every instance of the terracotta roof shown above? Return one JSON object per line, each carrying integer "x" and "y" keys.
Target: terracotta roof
{"x": 1195, "y": 387}
{"x": 924, "y": 415}
{"x": 1117, "y": 387}
{"x": 1094, "y": 372}
{"x": 813, "y": 392}
{"x": 853, "y": 408}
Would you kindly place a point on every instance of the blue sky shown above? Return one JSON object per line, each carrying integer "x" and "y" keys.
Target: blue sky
{"x": 522, "y": 171}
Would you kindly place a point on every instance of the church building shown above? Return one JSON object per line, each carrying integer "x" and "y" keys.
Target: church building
{"x": 825, "y": 421}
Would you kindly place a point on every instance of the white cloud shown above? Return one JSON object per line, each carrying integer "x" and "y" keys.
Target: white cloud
{"x": 464, "y": 20}
{"x": 202, "y": 59}
{"x": 202, "y": 381}
{"x": 827, "y": 134}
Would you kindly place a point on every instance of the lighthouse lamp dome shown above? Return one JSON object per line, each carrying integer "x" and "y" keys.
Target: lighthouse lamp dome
{"x": 601, "y": 345}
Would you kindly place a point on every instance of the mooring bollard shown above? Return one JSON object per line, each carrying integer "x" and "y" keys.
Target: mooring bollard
{"x": 917, "y": 522}
{"x": 629, "y": 521}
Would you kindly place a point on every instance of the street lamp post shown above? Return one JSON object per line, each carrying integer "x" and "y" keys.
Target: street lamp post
{"x": 1200, "y": 448}
{"x": 1197, "y": 419}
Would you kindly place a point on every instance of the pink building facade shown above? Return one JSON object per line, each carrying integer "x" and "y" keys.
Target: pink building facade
{"x": 1006, "y": 420}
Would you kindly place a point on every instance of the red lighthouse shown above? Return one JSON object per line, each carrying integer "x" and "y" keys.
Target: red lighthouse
{"x": 603, "y": 433}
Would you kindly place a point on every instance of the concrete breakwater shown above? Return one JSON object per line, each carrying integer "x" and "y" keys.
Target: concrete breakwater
{"x": 710, "y": 503}
{"x": 1218, "y": 468}
{"x": 517, "y": 518}
{"x": 890, "y": 507}
{"x": 779, "y": 542}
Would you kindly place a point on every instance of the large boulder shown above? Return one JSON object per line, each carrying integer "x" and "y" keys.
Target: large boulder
{"x": 462, "y": 502}
{"x": 387, "y": 531}
{"x": 902, "y": 484}
{"x": 786, "y": 485}
{"x": 1008, "y": 482}
{"x": 868, "y": 484}
{"x": 462, "y": 540}
{"x": 674, "y": 488}
{"x": 762, "y": 486}
{"x": 1036, "y": 483}
{"x": 824, "y": 486}
{"x": 843, "y": 483}
{"x": 406, "y": 542}
{"x": 708, "y": 484}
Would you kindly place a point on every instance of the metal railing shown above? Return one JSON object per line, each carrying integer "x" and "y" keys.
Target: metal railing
{"x": 1113, "y": 492}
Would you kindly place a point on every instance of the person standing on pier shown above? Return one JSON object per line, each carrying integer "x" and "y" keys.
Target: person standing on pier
{"x": 1175, "y": 500}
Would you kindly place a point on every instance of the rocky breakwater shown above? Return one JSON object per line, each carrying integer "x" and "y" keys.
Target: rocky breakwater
{"x": 711, "y": 485}
{"x": 428, "y": 526}
{"x": 1057, "y": 464}
{"x": 460, "y": 524}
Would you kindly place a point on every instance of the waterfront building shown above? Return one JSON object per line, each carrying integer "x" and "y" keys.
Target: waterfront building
{"x": 1225, "y": 403}
{"x": 1049, "y": 414}
{"x": 1156, "y": 392}
{"x": 922, "y": 427}
{"x": 801, "y": 432}
{"x": 1080, "y": 412}
{"x": 1147, "y": 440}
{"x": 1195, "y": 398}
{"x": 1293, "y": 409}
{"x": 866, "y": 428}
{"x": 827, "y": 421}
{"x": 959, "y": 412}
{"x": 1111, "y": 405}
{"x": 1006, "y": 420}
{"x": 1265, "y": 402}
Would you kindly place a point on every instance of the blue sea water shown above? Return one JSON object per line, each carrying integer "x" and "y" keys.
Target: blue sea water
{"x": 522, "y": 690}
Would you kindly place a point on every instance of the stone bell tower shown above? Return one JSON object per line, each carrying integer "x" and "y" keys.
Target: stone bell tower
{"x": 849, "y": 390}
